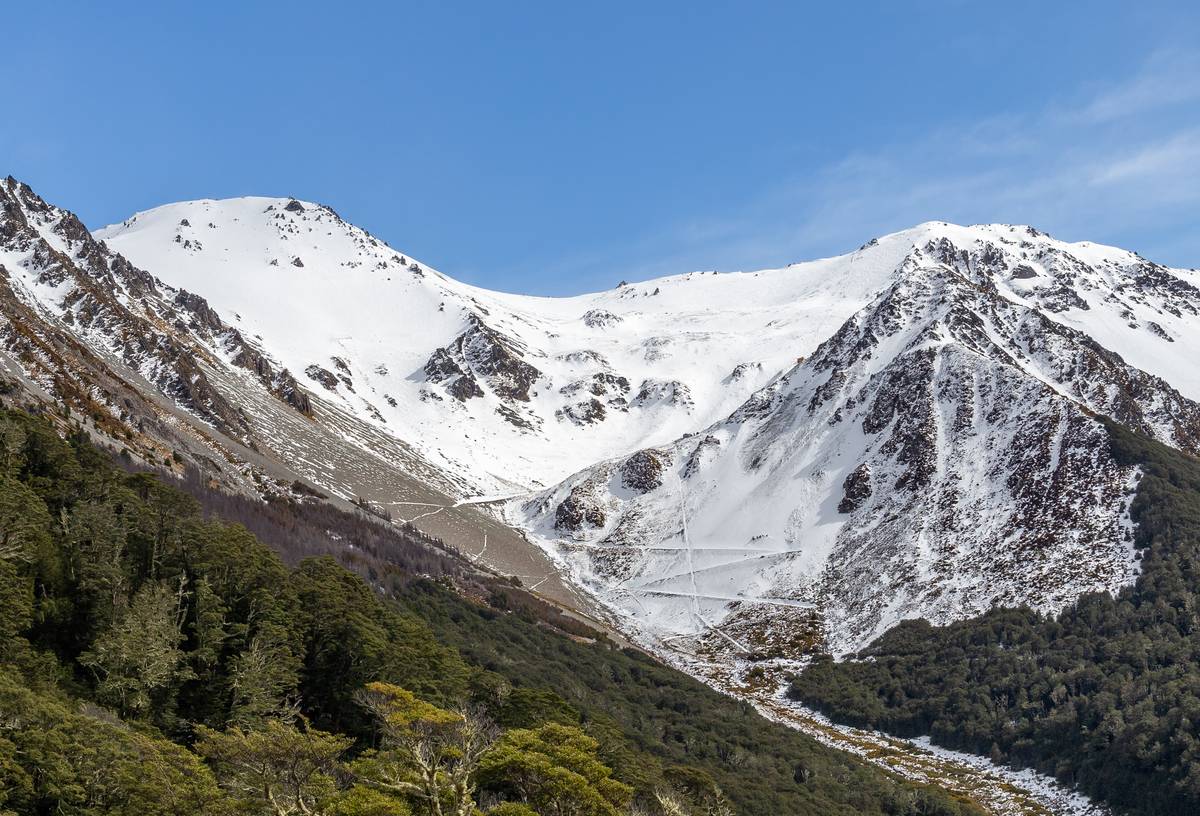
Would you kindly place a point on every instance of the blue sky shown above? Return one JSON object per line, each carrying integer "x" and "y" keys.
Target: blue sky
{"x": 556, "y": 148}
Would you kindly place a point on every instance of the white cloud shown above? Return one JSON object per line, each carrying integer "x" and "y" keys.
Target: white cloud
{"x": 1164, "y": 160}
{"x": 1168, "y": 78}
{"x": 1122, "y": 167}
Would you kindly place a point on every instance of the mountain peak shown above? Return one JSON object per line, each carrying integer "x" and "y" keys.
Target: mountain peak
{"x": 937, "y": 455}
{"x": 701, "y": 449}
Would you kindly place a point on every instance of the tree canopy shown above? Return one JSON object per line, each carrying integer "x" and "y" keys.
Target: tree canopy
{"x": 1105, "y": 696}
{"x": 158, "y": 657}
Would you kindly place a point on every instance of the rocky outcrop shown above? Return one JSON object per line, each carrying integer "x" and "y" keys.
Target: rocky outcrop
{"x": 481, "y": 355}
{"x": 285, "y": 387}
{"x": 586, "y": 412}
{"x": 204, "y": 317}
{"x": 323, "y": 376}
{"x": 643, "y": 470}
{"x": 601, "y": 319}
{"x": 282, "y": 384}
{"x": 608, "y": 392}
{"x": 705, "y": 449}
{"x": 443, "y": 368}
{"x": 662, "y": 392}
{"x": 579, "y": 510}
{"x": 599, "y": 384}
{"x": 856, "y": 489}
{"x": 743, "y": 370}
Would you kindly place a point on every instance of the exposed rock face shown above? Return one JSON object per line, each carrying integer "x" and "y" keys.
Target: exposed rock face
{"x": 577, "y": 511}
{"x": 203, "y": 316}
{"x": 705, "y": 449}
{"x": 583, "y": 413}
{"x": 481, "y": 354}
{"x": 498, "y": 361}
{"x": 937, "y": 455}
{"x": 324, "y": 376}
{"x": 600, "y": 384}
{"x": 108, "y": 300}
{"x": 601, "y": 319}
{"x": 1160, "y": 331}
{"x": 742, "y": 369}
{"x": 515, "y": 417}
{"x": 662, "y": 392}
{"x": 464, "y": 388}
{"x": 856, "y": 489}
{"x": 284, "y": 386}
{"x": 343, "y": 373}
{"x": 607, "y": 389}
{"x": 643, "y": 471}
{"x": 443, "y": 368}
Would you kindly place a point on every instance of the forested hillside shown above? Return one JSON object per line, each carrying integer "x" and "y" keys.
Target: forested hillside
{"x": 1106, "y": 696}
{"x": 156, "y": 659}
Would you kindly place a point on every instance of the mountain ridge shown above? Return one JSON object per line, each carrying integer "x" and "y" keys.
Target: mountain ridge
{"x": 358, "y": 349}
{"x": 892, "y": 405}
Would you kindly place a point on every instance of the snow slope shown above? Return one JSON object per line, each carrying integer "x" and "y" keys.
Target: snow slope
{"x": 614, "y": 371}
{"x": 562, "y": 382}
{"x": 938, "y": 455}
{"x": 903, "y": 430}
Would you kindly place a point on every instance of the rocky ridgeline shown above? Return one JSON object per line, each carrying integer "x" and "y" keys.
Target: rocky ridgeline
{"x": 945, "y": 434}
{"x": 104, "y": 298}
{"x": 86, "y": 326}
{"x": 937, "y": 453}
{"x": 481, "y": 355}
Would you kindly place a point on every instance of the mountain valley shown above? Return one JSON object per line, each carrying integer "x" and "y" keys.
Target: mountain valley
{"x": 740, "y": 472}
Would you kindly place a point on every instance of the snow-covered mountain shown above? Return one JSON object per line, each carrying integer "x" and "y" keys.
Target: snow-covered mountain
{"x": 771, "y": 457}
{"x": 938, "y": 455}
{"x": 505, "y": 392}
{"x": 155, "y": 373}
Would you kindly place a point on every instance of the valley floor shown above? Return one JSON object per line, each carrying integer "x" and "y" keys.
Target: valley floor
{"x": 1003, "y": 791}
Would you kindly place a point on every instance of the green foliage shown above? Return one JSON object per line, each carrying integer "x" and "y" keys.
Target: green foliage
{"x": 279, "y": 769}
{"x": 556, "y": 769}
{"x": 235, "y": 683}
{"x": 526, "y": 707}
{"x": 1105, "y": 696}
{"x": 16, "y": 606}
{"x": 511, "y": 809}
{"x": 55, "y": 759}
{"x": 428, "y": 754}
{"x": 138, "y": 659}
{"x": 362, "y": 800}
{"x": 352, "y": 639}
{"x": 646, "y": 716}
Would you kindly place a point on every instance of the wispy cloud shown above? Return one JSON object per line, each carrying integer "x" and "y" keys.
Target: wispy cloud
{"x": 1168, "y": 79}
{"x": 1120, "y": 164}
{"x": 1161, "y": 162}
